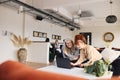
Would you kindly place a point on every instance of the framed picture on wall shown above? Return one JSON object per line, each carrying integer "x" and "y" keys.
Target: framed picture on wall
{"x": 56, "y": 37}
{"x": 59, "y": 37}
{"x": 53, "y": 36}
{"x": 39, "y": 34}
{"x": 35, "y": 34}
{"x": 44, "y": 35}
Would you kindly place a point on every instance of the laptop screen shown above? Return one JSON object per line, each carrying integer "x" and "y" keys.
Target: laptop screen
{"x": 63, "y": 62}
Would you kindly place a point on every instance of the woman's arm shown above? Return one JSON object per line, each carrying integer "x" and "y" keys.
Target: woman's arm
{"x": 93, "y": 55}
{"x": 80, "y": 60}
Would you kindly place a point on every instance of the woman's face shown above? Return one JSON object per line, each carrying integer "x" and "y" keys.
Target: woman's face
{"x": 69, "y": 44}
{"x": 79, "y": 45}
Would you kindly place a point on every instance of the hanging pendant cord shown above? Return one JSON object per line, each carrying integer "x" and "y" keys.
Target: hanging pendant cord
{"x": 111, "y": 6}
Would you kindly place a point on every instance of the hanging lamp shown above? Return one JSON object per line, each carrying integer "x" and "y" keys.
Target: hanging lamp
{"x": 111, "y": 18}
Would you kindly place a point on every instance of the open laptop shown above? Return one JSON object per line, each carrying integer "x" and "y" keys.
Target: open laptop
{"x": 63, "y": 62}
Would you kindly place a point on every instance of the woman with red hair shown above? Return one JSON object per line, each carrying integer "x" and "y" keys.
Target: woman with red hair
{"x": 87, "y": 52}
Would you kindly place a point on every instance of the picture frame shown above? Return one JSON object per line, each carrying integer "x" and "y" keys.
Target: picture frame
{"x": 56, "y": 37}
{"x": 44, "y": 35}
{"x": 53, "y": 36}
{"x": 35, "y": 34}
{"x": 59, "y": 37}
{"x": 39, "y": 34}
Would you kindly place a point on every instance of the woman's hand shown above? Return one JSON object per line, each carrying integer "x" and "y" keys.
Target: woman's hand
{"x": 76, "y": 57}
{"x": 72, "y": 64}
{"x": 81, "y": 65}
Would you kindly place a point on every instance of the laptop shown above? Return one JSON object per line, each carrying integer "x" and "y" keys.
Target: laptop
{"x": 63, "y": 63}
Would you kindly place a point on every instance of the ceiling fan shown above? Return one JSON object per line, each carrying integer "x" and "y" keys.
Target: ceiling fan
{"x": 79, "y": 15}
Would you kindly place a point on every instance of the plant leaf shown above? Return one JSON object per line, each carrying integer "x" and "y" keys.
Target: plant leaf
{"x": 15, "y": 43}
{"x": 15, "y": 38}
{"x": 18, "y": 41}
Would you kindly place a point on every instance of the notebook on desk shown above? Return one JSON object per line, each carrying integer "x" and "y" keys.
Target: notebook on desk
{"x": 63, "y": 62}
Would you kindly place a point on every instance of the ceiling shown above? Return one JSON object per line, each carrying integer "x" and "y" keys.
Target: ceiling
{"x": 98, "y": 10}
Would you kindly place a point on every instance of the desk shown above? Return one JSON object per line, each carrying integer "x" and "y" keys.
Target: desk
{"x": 78, "y": 72}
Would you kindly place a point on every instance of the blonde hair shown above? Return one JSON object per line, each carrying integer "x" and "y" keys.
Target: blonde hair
{"x": 65, "y": 47}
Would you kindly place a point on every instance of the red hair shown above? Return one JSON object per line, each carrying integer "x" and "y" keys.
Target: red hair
{"x": 79, "y": 37}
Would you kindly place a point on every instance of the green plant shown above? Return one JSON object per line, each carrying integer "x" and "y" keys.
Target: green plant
{"x": 98, "y": 68}
{"x": 20, "y": 42}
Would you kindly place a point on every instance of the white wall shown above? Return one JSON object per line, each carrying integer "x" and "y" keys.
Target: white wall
{"x": 99, "y": 31}
{"x": 12, "y": 22}
{"x": 42, "y": 26}
{"x": 39, "y": 52}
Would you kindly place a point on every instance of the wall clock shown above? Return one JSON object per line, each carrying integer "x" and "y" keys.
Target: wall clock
{"x": 108, "y": 37}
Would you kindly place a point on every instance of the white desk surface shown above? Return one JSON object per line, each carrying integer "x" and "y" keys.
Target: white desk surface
{"x": 79, "y": 72}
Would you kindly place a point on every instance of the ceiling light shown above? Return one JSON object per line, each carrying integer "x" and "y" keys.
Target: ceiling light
{"x": 111, "y": 18}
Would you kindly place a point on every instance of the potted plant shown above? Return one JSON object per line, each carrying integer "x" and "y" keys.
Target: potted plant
{"x": 22, "y": 44}
{"x": 99, "y": 68}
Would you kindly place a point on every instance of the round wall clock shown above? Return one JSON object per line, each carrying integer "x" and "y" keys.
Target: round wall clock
{"x": 108, "y": 37}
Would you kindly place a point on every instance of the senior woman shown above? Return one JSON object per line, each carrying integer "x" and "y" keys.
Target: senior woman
{"x": 87, "y": 52}
{"x": 70, "y": 51}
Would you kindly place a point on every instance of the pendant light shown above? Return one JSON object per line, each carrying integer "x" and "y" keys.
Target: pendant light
{"x": 111, "y": 18}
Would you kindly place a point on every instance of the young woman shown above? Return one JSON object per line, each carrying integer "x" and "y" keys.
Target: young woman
{"x": 87, "y": 52}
